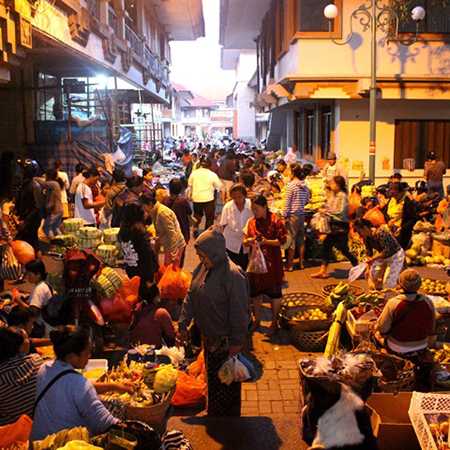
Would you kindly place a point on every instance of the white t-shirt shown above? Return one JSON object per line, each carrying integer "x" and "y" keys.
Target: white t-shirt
{"x": 65, "y": 179}
{"x": 234, "y": 222}
{"x": 39, "y": 298}
{"x": 202, "y": 184}
{"x": 76, "y": 182}
{"x": 84, "y": 192}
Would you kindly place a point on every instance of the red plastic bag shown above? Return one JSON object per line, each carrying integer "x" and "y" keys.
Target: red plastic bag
{"x": 116, "y": 309}
{"x": 190, "y": 391}
{"x": 18, "y": 431}
{"x": 174, "y": 284}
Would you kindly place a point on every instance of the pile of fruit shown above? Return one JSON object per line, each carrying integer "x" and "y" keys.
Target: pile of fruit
{"x": 317, "y": 194}
{"x": 435, "y": 287}
{"x": 439, "y": 426}
{"x": 310, "y": 314}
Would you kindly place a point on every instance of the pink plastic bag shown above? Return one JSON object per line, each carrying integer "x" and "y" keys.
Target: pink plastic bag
{"x": 257, "y": 262}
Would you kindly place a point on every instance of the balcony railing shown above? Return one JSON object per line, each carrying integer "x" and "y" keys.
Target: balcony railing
{"x": 135, "y": 41}
{"x": 159, "y": 70}
{"x": 112, "y": 20}
{"x": 94, "y": 8}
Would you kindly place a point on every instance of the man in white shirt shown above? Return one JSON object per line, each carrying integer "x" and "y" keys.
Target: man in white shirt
{"x": 235, "y": 215}
{"x": 65, "y": 179}
{"x": 203, "y": 184}
{"x": 84, "y": 201}
{"x": 333, "y": 169}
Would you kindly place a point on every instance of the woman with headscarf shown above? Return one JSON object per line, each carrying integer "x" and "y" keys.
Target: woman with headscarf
{"x": 218, "y": 302}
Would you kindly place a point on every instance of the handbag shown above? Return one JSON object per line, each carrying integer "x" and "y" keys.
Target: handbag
{"x": 10, "y": 268}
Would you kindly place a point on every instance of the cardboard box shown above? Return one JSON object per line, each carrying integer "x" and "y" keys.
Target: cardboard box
{"x": 390, "y": 421}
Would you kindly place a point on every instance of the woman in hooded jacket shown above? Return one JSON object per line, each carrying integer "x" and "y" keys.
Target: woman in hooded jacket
{"x": 218, "y": 302}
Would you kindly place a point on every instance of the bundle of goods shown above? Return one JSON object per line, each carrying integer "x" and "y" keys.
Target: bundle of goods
{"x": 435, "y": 287}
{"x": 335, "y": 293}
{"x": 368, "y": 191}
{"x": 89, "y": 237}
{"x": 153, "y": 388}
{"x": 60, "y": 439}
{"x": 430, "y": 417}
{"x": 441, "y": 359}
{"x": 361, "y": 317}
{"x": 317, "y": 194}
{"x": 110, "y": 235}
{"x": 108, "y": 254}
{"x": 107, "y": 282}
{"x": 72, "y": 225}
{"x": 357, "y": 370}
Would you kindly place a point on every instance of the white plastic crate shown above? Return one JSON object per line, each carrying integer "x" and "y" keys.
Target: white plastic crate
{"x": 422, "y": 404}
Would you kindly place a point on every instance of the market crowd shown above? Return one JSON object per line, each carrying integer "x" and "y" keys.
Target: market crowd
{"x": 252, "y": 215}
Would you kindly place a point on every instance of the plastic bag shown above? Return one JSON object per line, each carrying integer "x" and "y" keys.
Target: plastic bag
{"x": 198, "y": 368}
{"x": 176, "y": 354}
{"x": 257, "y": 262}
{"x": 174, "y": 284}
{"x": 116, "y": 309}
{"x": 130, "y": 290}
{"x": 233, "y": 371}
{"x": 320, "y": 222}
{"x": 19, "y": 431}
{"x": 356, "y": 272}
{"x": 190, "y": 390}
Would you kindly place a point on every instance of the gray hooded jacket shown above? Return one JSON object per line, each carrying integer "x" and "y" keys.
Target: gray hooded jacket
{"x": 218, "y": 299}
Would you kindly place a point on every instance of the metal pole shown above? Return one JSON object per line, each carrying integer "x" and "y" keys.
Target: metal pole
{"x": 373, "y": 93}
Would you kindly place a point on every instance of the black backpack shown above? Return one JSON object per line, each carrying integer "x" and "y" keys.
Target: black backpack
{"x": 58, "y": 309}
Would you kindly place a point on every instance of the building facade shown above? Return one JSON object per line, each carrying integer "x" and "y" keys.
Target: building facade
{"x": 61, "y": 60}
{"x": 317, "y": 91}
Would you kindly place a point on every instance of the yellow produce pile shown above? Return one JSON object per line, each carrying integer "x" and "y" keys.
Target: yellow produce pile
{"x": 435, "y": 287}
{"x": 311, "y": 314}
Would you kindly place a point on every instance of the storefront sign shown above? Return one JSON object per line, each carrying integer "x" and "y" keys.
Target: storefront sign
{"x": 25, "y": 32}
{"x": 358, "y": 166}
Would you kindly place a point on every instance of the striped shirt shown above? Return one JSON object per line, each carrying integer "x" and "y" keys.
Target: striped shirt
{"x": 297, "y": 197}
{"x": 18, "y": 386}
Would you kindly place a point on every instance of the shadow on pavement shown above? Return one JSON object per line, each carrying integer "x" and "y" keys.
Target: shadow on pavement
{"x": 240, "y": 433}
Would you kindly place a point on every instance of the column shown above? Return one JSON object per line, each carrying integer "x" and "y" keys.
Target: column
{"x": 140, "y": 17}
{"x": 103, "y": 10}
{"x": 119, "y": 8}
{"x": 290, "y": 129}
{"x": 317, "y": 152}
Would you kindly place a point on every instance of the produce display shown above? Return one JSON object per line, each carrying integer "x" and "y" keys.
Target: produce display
{"x": 58, "y": 440}
{"x": 368, "y": 191}
{"x": 435, "y": 287}
{"x": 340, "y": 293}
{"x": 317, "y": 194}
{"x": 110, "y": 235}
{"x": 439, "y": 427}
{"x": 424, "y": 227}
{"x": 310, "y": 314}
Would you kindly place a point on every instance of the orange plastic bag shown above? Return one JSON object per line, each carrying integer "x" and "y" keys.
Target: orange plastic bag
{"x": 190, "y": 391}
{"x": 174, "y": 284}
{"x": 130, "y": 290}
{"x": 18, "y": 431}
{"x": 198, "y": 368}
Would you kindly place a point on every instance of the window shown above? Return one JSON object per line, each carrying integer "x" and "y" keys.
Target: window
{"x": 437, "y": 19}
{"x": 311, "y": 22}
{"x": 309, "y": 132}
{"x": 414, "y": 138}
{"x": 325, "y": 132}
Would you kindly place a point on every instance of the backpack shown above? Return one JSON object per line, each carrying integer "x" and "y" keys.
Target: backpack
{"x": 58, "y": 309}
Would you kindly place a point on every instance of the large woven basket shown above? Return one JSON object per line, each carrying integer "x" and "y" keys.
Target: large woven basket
{"x": 405, "y": 378}
{"x": 308, "y": 341}
{"x": 152, "y": 415}
{"x": 296, "y": 302}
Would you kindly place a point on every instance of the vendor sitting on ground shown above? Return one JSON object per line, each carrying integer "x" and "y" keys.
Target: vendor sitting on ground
{"x": 407, "y": 322}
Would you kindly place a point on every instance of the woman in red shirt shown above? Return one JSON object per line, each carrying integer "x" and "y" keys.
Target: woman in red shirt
{"x": 270, "y": 233}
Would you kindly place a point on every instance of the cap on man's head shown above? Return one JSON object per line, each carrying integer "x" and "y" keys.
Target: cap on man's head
{"x": 410, "y": 280}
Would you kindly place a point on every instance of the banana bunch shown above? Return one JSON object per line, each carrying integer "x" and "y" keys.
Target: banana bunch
{"x": 372, "y": 298}
{"x": 442, "y": 356}
{"x": 340, "y": 293}
{"x": 58, "y": 440}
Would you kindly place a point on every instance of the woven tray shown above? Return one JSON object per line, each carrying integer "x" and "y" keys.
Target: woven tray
{"x": 307, "y": 325}
{"x": 296, "y": 302}
{"x": 308, "y": 341}
{"x": 356, "y": 291}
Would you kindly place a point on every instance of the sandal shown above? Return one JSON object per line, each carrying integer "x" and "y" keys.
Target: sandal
{"x": 320, "y": 275}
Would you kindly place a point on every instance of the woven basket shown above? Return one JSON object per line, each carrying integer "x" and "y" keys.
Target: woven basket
{"x": 405, "y": 379}
{"x": 307, "y": 325}
{"x": 152, "y": 415}
{"x": 308, "y": 341}
{"x": 356, "y": 291}
{"x": 300, "y": 301}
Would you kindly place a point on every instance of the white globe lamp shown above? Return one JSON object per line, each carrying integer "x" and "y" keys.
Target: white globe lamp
{"x": 331, "y": 11}
{"x": 418, "y": 13}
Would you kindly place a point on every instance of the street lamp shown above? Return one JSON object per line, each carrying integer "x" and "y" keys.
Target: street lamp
{"x": 375, "y": 15}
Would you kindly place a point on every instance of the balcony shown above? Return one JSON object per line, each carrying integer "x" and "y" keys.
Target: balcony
{"x": 135, "y": 41}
